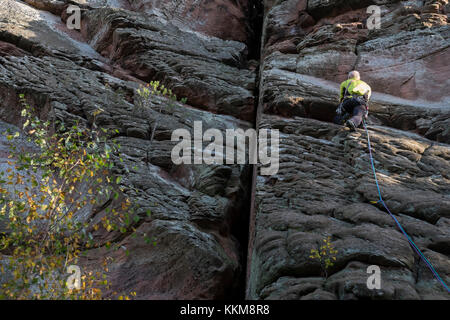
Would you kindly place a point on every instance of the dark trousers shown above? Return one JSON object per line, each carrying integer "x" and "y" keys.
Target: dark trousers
{"x": 356, "y": 108}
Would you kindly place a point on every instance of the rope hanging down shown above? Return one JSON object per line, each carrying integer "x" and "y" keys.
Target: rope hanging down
{"x": 413, "y": 245}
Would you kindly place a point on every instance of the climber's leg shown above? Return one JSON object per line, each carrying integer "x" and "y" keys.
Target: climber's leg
{"x": 349, "y": 104}
{"x": 358, "y": 114}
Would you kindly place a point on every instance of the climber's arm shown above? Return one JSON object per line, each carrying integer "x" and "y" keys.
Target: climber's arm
{"x": 341, "y": 91}
{"x": 369, "y": 93}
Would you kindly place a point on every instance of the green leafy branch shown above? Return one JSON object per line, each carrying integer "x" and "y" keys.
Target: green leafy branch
{"x": 325, "y": 254}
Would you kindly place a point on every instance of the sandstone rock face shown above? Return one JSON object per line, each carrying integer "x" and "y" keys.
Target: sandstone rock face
{"x": 197, "y": 211}
{"x": 201, "y": 204}
{"x": 203, "y": 217}
{"x": 224, "y": 19}
{"x": 325, "y": 186}
{"x": 211, "y": 72}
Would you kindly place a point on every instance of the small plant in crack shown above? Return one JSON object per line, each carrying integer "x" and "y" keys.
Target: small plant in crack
{"x": 325, "y": 254}
{"x": 145, "y": 106}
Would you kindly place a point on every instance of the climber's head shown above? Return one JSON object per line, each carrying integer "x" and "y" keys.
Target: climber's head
{"x": 354, "y": 75}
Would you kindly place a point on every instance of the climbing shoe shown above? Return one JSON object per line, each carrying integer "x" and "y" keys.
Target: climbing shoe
{"x": 350, "y": 125}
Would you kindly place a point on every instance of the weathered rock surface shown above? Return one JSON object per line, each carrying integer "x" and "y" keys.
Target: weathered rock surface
{"x": 324, "y": 188}
{"x": 205, "y": 52}
{"x": 393, "y": 58}
{"x": 224, "y": 19}
{"x": 201, "y": 203}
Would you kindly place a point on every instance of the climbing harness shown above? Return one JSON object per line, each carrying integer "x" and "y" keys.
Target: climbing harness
{"x": 413, "y": 245}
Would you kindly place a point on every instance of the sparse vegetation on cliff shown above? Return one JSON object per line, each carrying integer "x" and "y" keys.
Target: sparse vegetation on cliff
{"x": 46, "y": 193}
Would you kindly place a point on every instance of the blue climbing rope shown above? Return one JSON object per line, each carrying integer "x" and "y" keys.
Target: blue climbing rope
{"x": 413, "y": 245}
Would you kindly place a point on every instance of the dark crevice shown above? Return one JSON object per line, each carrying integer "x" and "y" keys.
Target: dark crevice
{"x": 255, "y": 18}
{"x": 239, "y": 230}
{"x": 256, "y": 52}
{"x": 242, "y": 227}
{"x": 441, "y": 247}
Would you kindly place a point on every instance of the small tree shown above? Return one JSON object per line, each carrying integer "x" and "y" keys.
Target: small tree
{"x": 44, "y": 196}
{"x": 144, "y": 105}
{"x": 326, "y": 254}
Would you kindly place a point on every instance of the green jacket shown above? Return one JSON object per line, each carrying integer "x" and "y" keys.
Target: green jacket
{"x": 356, "y": 87}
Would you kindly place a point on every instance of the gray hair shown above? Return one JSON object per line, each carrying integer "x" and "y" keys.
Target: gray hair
{"x": 354, "y": 75}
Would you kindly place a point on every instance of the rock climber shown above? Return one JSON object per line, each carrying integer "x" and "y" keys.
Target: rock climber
{"x": 354, "y": 98}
